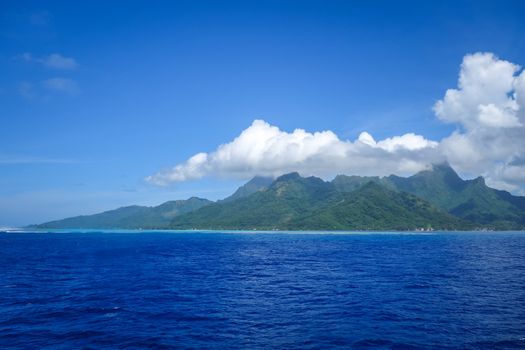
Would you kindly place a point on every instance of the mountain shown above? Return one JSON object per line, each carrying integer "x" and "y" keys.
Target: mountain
{"x": 471, "y": 200}
{"x": 436, "y": 198}
{"x": 345, "y": 183}
{"x": 258, "y": 183}
{"x": 375, "y": 207}
{"x": 131, "y": 217}
{"x": 293, "y": 202}
{"x": 287, "y": 198}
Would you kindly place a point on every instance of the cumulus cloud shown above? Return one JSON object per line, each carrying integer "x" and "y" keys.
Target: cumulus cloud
{"x": 54, "y": 60}
{"x": 485, "y": 96}
{"x": 488, "y": 106}
{"x": 408, "y": 141}
{"x": 263, "y": 149}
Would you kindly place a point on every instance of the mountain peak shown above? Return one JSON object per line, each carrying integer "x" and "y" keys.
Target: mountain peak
{"x": 347, "y": 202}
{"x": 194, "y": 198}
{"x": 441, "y": 173}
{"x": 287, "y": 177}
{"x": 443, "y": 167}
{"x": 262, "y": 181}
{"x": 480, "y": 180}
{"x": 257, "y": 183}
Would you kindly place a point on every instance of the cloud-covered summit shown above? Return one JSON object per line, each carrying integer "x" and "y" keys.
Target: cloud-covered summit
{"x": 488, "y": 106}
{"x": 264, "y": 149}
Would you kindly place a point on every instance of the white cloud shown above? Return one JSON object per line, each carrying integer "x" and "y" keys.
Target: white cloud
{"x": 488, "y": 106}
{"x": 263, "y": 149}
{"x": 54, "y": 60}
{"x": 519, "y": 88}
{"x": 58, "y": 84}
{"x": 492, "y": 116}
{"x": 408, "y": 141}
{"x": 60, "y": 62}
{"x": 484, "y": 94}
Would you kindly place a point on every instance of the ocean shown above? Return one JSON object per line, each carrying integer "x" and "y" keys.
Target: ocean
{"x": 203, "y": 290}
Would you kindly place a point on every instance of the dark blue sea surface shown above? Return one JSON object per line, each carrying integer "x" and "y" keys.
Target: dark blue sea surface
{"x": 167, "y": 290}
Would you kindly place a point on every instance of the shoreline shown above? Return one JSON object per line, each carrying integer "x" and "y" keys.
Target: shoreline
{"x": 288, "y": 232}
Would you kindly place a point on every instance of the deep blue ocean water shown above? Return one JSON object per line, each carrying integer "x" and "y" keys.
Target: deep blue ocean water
{"x": 164, "y": 290}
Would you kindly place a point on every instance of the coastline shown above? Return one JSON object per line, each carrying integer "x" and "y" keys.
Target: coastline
{"x": 287, "y": 232}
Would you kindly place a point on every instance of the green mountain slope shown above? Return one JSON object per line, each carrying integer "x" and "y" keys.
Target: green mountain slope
{"x": 293, "y": 202}
{"x": 289, "y": 197}
{"x": 256, "y": 184}
{"x": 441, "y": 185}
{"x": 472, "y": 200}
{"x": 131, "y": 217}
{"x": 345, "y": 183}
{"x": 436, "y": 198}
{"x": 375, "y": 207}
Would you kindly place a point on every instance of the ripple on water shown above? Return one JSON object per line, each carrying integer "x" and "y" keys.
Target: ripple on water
{"x": 181, "y": 290}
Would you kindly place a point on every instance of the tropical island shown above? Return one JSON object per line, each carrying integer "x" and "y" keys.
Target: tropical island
{"x": 434, "y": 199}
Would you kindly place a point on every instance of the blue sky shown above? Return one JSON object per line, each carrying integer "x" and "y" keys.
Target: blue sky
{"x": 96, "y": 96}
